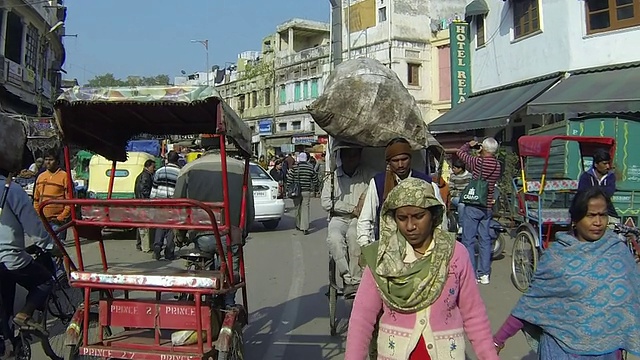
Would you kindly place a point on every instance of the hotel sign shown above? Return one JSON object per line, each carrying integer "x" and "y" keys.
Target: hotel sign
{"x": 460, "y": 62}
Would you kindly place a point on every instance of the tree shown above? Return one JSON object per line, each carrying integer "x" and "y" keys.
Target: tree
{"x": 109, "y": 80}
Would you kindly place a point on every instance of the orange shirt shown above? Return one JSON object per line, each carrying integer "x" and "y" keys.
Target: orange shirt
{"x": 52, "y": 186}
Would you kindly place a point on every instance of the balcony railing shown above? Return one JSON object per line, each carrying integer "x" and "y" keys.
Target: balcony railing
{"x": 303, "y": 56}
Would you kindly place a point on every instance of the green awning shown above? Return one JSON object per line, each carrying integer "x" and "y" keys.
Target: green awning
{"x": 476, "y": 7}
{"x": 595, "y": 91}
{"x": 489, "y": 109}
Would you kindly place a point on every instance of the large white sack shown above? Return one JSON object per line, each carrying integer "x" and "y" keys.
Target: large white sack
{"x": 366, "y": 103}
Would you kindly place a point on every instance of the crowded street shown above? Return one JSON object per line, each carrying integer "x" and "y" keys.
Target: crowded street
{"x": 287, "y": 283}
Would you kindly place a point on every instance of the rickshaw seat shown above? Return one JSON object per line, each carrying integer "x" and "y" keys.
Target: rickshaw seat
{"x": 199, "y": 279}
{"x": 551, "y": 216}
{"x": 553, "y": 185}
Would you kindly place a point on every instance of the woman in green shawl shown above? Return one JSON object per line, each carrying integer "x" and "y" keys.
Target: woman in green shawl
{"x": 422, "y": 282}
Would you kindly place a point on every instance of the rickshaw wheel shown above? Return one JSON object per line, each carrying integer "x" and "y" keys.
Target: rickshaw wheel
{"x": 73, "y": 352}
{"x": 524, "y": 260}
{"x": 333, "y": 298}
{"x": 236, "y": 347}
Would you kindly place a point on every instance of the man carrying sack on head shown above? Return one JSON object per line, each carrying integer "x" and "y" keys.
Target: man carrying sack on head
{"x": 398, "y": 157}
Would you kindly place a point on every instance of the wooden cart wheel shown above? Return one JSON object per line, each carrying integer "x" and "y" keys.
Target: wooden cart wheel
{"x": 236, "y": 347}
{"x": 524, "y": 260}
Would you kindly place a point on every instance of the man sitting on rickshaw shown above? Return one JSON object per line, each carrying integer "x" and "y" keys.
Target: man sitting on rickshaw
{"x": 398, "y": 157}
{"x": 600, "y": 174}
{"x": 195, "y": 182}
{"x": 343, "y": 196}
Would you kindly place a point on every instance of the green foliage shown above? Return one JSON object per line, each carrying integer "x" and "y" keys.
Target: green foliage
{"x": 260, "y": 69}
{"x": 109, "y": 80}
{"x": 511, "y": 169}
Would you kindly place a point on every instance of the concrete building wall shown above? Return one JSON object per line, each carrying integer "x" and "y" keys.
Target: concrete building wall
{"x": 563, "y": 43}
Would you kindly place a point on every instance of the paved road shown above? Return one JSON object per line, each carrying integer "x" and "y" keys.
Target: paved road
{"x": 287, "y": 282}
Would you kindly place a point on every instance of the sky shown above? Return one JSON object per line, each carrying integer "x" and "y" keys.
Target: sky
{"x": 151, "y": 37}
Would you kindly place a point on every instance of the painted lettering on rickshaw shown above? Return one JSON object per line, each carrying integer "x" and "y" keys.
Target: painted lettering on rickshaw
{"x": 180, "y": 310}
{"x": 109, "y": 354}
{"x": 176, "y": 357}
{"x": 123, "y": 309}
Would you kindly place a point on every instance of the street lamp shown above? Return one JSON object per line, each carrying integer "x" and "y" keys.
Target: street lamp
{"x": 205, "y": 43}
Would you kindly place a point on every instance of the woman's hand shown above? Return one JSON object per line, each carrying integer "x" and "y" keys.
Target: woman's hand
{"x": 498, "y": 348}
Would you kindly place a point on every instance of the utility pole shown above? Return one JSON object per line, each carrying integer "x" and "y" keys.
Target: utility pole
{"x": 205, "y": 43}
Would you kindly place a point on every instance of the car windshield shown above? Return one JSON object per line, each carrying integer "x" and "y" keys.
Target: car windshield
{"x": 258, "y": 173}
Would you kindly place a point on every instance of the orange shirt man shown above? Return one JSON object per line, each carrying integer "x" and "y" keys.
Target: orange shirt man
{"x": 52, "y": 184}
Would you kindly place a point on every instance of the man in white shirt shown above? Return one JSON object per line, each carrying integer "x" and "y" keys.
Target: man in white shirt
{"x": 342, "y": 196}
{"x": 398, "y": 157}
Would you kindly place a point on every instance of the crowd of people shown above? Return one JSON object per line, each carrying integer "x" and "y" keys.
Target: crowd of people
{"x": 415, "y": 288}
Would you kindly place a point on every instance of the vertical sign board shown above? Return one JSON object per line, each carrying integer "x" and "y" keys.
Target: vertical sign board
{"x": 460, "y": 62}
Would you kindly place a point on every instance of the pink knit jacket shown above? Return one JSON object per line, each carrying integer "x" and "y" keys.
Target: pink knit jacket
{"x": 459, "y": 311}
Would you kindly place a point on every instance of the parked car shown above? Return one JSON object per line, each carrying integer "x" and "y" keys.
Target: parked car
{"x": 268, "y": 199}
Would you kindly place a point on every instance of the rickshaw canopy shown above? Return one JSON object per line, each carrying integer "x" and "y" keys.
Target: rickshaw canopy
{"x": 540, "y": 145}
{"x": 103, "y": 120}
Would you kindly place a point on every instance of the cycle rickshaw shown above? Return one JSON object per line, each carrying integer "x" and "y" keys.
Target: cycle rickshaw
{"x": 102, "y": 120}
{"x": 543, "y": 202}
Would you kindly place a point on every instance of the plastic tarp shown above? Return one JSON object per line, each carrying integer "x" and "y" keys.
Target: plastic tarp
{"x": 364, "y": 102}
{"x": 148, "y": 146}
{"x": 13, "y": 138}
{"x": 103, "y": 120}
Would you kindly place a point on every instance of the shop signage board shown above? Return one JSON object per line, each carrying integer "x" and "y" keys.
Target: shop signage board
{"x": 460, "y": 62}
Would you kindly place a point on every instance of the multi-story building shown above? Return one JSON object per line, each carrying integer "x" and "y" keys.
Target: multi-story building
{"x": 31, "y": 54}
{"x": 407, "y": 36}
{"x": 536, "y": 62}
{"x": 301, "y": 69}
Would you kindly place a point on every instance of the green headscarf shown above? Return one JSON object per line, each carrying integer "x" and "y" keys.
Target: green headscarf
{"x": 408, "y": 287}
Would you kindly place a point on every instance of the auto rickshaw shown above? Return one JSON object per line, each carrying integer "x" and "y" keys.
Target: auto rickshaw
{"x": 125, "y": 175}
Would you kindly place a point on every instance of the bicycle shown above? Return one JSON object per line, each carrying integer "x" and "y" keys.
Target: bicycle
{"x": 55, "y": 316}
{"x": 631, "y": 235}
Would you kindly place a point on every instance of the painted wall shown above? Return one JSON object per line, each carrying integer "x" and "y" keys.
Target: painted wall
{"x": 561, "y": 45}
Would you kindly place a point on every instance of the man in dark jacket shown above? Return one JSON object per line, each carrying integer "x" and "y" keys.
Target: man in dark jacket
{"x": 601, "y": 175}
{"x": 142, "y": 190}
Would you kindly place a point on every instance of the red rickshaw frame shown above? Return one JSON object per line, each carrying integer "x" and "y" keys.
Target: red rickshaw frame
{"x": 219, "y": 121}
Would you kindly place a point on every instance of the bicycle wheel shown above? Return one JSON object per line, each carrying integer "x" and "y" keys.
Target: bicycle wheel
{"x": 333, "y": 298}
{"x": 73, "y": 352}
{"x": 61, "y": 307}
{"x": 524, "y": 260}
{"x": 236, "y": 347}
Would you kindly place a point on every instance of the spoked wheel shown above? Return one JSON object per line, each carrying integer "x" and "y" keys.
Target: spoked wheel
{"x": 498, "y": 246}
{"x": 333, "y": 298}
{"x": 524, "y": 260}
{"x": 236, "y": 346}
{"x": 73, "y": 352}
{"x": 22, "y": 348}
{"x": 61, "y": 307}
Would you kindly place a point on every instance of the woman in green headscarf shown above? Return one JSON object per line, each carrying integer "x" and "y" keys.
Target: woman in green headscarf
{"x": 422, "y": 281}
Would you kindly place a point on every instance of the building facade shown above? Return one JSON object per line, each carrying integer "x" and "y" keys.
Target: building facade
{"x": 301, "y": 70}
{"x": 408, "y": 36}
{"x": 526, "y": 54}
{"x": 31, "y": 55}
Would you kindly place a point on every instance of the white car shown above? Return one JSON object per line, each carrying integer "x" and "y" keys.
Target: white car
{"x": 268, "y": 199}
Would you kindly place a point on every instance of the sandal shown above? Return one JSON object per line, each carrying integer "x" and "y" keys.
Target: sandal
{"x": 25, "y": 322}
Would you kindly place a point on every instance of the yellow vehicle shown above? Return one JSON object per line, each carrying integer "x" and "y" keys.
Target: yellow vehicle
{"x": 193, "y": 155}
{"x": 125, "y": 177}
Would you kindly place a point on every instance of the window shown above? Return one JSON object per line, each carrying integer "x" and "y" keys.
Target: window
{"x": 297, "y": 125}
{"x": 526, "y": 17}
{"x": 13, "y": 43}
{"x": 413, "y": 74}
{"x": 254, "y": 99}
{"x": 267, "y": 96}
{"x": 258, "y": 173}
{"x": 282, "y": 127}
{"x": 31, "y": 48}
{"x": 480, "y": 30}
{"x": 283, "y": 94}
{"x": 444, "y": 73}
{"x": 297, "y": 94}
{"x": 241, "y": 103}
{"x": 314, "y": 88}
{"x": 607, "y": 15}
{"x": 305, "y": 90}
{"x": 382, "y": 14}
